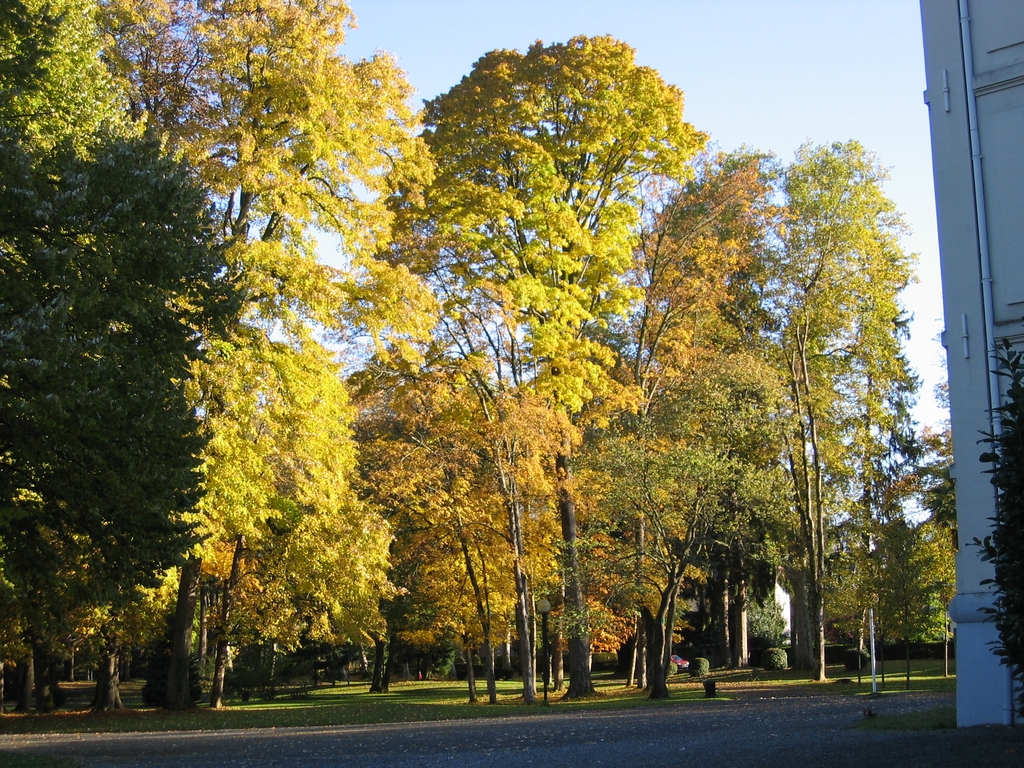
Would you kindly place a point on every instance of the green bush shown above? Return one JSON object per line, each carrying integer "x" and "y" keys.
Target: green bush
{"x": 765, "y": 625}
{"x": 1004, "y": 548}
{"x": 775, "y": 659}
{"x": 699, "y": 667}
{"x": 855, "y": 659}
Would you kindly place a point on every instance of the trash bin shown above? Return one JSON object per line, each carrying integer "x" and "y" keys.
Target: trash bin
{"x": 709, "y": 689}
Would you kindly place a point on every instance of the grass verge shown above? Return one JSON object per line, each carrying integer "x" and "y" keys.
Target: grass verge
{"x": 418, "y": 701}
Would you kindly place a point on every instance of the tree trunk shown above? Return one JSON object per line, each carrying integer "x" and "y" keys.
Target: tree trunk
{"x": 377, "y": 679}
{"x": 125, "y": 661}
{"x": 720, "y": 601}
{"x": 26, "y": 685}
{"x": 178, "y": 689}
{"x": 224, "y": 625}
{"x": 483, "y": 612}
{"x": 506, "y": 652}
{"x": 640, "y": 674}
{"x": 204, "y": 610}
{"x": 816, "y": 601}
{"x": 557, "y": 660}
{"x": 470, "y": 672}
{"x": 906, "y": 646}
{"x": 661, "y": 628}
{"x": 800, "y": 622}
{"x": 43, "y": 679}
{"x": 108, "y": 690}
{"x": 580, "y": 683}
{"x": 513, "y": 507}
{"x": 808, "y": 480}
{"x": 487, "y": 653}
{"x": 945, "y": 642}
{"x": 631, "y": 669}
{"x": 738, "y": 631}
{"x": 523, "y": 618}
{"x": 389, "y": 665}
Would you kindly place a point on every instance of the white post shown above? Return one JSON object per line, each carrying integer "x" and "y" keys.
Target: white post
{"x": 871, "y": 633}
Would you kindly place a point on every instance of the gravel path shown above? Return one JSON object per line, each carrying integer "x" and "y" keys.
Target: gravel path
{"x": 754, "y": 731}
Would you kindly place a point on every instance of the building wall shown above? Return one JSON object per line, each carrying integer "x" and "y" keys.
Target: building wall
{"x": 996, "y": 32}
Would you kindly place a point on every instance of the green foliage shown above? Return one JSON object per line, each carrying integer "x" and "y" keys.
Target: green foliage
{"x": 775, "y": 659}
{"x": 909, "y": 580}
{"x": 53, "y": 86}
{"x": 1004, "y": 548}
{"x": 699, "y": 667}
{"x": 109, "y": 277}
{"x": 765, "y": 624}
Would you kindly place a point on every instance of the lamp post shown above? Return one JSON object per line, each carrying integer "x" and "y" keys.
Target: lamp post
{"x": 544, "y": 606}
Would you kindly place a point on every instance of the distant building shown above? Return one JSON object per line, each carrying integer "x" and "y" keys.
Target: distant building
{"x": 974, "y": 54}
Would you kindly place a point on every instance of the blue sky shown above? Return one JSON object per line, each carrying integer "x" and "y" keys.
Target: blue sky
{"x": 768, "y": 74}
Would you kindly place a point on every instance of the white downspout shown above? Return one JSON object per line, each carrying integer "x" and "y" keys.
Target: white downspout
{"x": 987, "y": 303}
{"x": 979, "y": 211}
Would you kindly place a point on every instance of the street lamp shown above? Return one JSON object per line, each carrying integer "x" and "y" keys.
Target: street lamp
{"x": 544, "y": 606}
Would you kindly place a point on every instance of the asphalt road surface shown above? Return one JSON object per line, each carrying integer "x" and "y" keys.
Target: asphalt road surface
{"x": 754, "y": 732}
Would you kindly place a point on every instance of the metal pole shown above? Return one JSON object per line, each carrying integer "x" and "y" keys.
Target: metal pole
{"x": 871, "y": 632}
{"x": 547, "y": 659}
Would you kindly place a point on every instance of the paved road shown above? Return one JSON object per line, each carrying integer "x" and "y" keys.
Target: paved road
{"x": 799, "y": 732}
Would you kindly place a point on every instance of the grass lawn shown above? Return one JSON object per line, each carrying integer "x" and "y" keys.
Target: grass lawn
{"x": 435, "y": 700}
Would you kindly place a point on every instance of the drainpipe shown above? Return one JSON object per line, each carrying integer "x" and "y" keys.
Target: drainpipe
{"x": 995, "y": 419}
{"x": 979, "y": 211}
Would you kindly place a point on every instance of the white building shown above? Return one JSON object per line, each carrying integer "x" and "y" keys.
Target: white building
{"x": 974, "y": 54}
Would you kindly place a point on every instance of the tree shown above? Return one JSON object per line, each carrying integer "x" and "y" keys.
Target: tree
{"x": 293, "y": 140}
{"x": 530, "y": 223}
{"x": 691, "y": 475}
{"x": 1003, "y": 548}
{"x": 835, "y": 331}
{"x": 424, "y": 460}
{"x": 907, "y": 587}
{"x": 110, "y": 280}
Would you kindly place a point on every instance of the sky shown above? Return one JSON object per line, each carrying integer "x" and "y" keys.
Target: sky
{"x": 766, "y": 74}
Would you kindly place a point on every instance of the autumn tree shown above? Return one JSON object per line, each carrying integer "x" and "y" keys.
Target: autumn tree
{"x": 697, "y": 241}
{"x": 531, "y": 221}
{"x": 692, "y": 474}
{"x": 293, "y": 139}
{"x": 835, "y": 332}
{"x": 907, "y": 583}
{"x": 425, "y": 464}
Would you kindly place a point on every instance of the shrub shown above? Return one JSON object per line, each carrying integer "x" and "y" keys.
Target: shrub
{"x": 855, "y": 659}
{"x": 775, "y": 659}
{"x": 699, "y": 667}
{"x": 1004, "y": 548}
{"x": 766, "y": 625}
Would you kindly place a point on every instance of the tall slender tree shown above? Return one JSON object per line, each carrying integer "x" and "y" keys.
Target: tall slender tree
{"x": 835, "y": 335}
